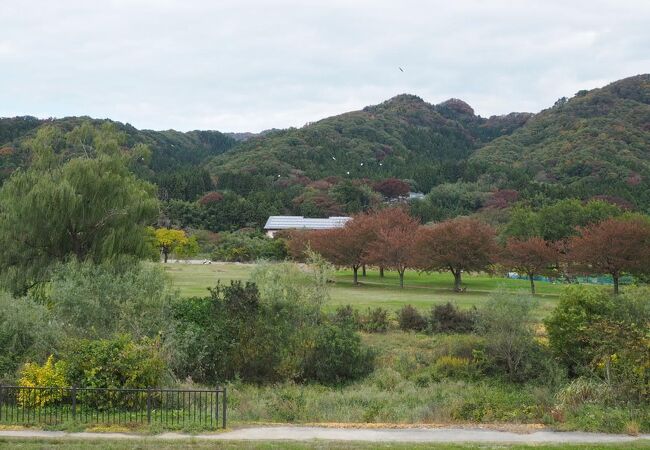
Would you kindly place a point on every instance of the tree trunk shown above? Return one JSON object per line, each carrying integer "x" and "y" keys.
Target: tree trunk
{"x": 363, "y": 271}
{"x": 532, "y": 283}
{"x": 457, "y": 280}
{"x": 615, "y": 277}
{"x": 165, "y": 255}
{"x": 355, "y": 269}
{"x": 381, "y": 272}
{"x": 401, "y": 279}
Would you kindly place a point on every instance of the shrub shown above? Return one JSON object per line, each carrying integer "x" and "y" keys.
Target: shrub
{"x": 592, "y": 332}
{"x": 119, "y": 362}
{"x": 571, "y": 322}
{"x": 448, "y": 318}
{"x": 375, "y": 320}
{"x": 100, "y": 301}
{"x": 510, "y": 346}
{"x": 410, "y": 319}
{"x": 27, "y": 333}
{"x": 266, "y": 334}
{"x": 50, "y": 374}
{"x": 347, "y": 316}
{"x": 242, "y": 246}
{"x": 336, "y": 355}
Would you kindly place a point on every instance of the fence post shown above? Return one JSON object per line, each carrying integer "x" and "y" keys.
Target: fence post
{"x": 149, "y": 405}
{"x": 2, "y": 391}
{"x": 224, "y": 407}
{"x": 74, "y": 402}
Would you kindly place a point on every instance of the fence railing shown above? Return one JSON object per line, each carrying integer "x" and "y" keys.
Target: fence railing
{"x": 171, "y": 408}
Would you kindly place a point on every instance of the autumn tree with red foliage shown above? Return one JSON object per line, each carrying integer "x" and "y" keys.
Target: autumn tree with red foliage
{"x": 345, "y": 246}
{"x": 392, "y": 188}
{"x": 457, "y": 245}
{"x": 298, "y": 242}
{"x": 533, "y": 256}
{"x": 613, "y": 246}
{"x": 211, "y": 197}
{"x": 392, "y": 244}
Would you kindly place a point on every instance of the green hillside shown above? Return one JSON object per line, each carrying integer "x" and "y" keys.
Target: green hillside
{"x": 172, "y": 153}
{"x": 403, "y": 137}
{"x": 596, "y": 143}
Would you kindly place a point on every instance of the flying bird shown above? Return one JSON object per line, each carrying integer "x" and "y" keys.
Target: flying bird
{"x": 401, "y": 70}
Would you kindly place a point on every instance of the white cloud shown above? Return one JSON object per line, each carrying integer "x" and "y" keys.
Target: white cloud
{"x": 251, "y": 65}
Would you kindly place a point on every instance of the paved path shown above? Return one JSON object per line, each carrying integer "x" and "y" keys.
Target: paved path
{"x": 289, "y": 433}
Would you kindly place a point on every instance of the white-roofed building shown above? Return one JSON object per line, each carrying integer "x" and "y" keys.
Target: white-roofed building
{"x": 278, "y": 223}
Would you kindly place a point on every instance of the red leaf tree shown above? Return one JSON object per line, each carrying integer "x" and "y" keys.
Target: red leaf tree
{"x": 211, "y": 197}
{"x": 533, "y": 256}
{"x": 392, "y": 245}
{"x": 613, "y": 246}
{"x": 345, "y": 246}
{"x": 458, "y": 245}
{"x": 392, "y": 188}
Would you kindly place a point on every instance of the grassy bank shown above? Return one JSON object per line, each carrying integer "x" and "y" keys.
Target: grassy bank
{"x": 404, "y": 389}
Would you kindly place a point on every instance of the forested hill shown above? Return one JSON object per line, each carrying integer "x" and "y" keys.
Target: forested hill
{"x": 596, "y": 143}
{"x": 172, "y": 152}
{"x": 403, "y": 137}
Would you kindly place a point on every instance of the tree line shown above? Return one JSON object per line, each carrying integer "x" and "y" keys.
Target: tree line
{"x": 392, "y": 239}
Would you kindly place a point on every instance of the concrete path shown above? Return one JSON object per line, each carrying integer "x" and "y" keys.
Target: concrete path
{"x": 289, "y": 433}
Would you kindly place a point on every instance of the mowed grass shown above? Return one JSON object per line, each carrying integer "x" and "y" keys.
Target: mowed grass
{"x": 421, "y": 290}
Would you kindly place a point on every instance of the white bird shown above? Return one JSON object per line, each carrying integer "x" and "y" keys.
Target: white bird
{"x": 348, "y": 172}
{"x": 334, "y": 158}
{"x": 362, "y": 164}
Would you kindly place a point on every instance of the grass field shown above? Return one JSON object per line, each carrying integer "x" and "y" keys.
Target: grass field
{"x": 421, "y": 290}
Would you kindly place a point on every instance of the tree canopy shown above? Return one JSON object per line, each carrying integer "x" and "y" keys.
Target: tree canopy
{"x": 88, "y": 208}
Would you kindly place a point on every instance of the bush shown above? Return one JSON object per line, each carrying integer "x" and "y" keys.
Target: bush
{"x": 269, "y": 333}
{"x": 593, "y": 332}
{"x": 27, "y": 333}
{"x": 243, "y": 246}
{"x": 410, "y": 319}
{"x": 347, "y": 316}
{"x": 571, "y": 323}
{"x": 100, "y": 301}
{"x": 448, "y": 318}
{"x": 50, "y": 374}
{"x": 336, "y": 355}
{"x": 375, "y": 320}
{"x": 510, "y": 345}
{"x": 111, "y": 363}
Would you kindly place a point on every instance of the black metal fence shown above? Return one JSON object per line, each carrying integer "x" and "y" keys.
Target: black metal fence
{"x": 169, "y": 408}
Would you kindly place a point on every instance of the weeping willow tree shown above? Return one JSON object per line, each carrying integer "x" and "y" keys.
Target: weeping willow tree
{"x": 78, "y": 200}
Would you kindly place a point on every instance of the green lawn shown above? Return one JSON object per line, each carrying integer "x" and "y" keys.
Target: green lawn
{"x": 421, "y": 290}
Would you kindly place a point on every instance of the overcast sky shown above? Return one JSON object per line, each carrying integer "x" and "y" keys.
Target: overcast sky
{"x": 252, "y": 65}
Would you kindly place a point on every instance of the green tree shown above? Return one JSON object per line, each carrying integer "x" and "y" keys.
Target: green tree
{"x": 87, "y": 209}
